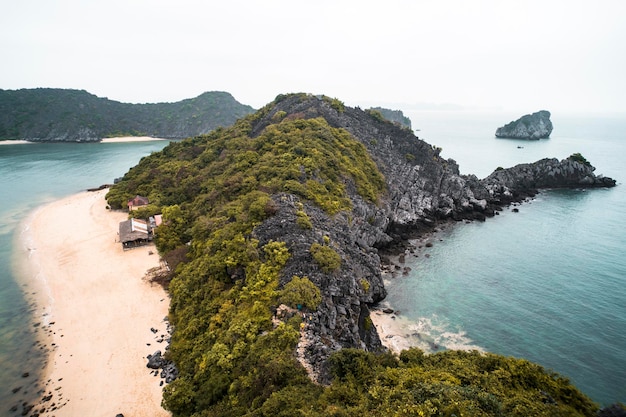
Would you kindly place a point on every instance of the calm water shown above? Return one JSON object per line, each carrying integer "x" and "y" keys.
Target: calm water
{"x": 547, "y": 283}
{"x": 33, "y": 174}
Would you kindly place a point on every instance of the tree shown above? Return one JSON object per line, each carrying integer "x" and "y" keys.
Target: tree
{"x": 301, "y": 292}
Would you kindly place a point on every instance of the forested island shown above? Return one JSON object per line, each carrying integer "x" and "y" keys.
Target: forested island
{"x": 273, "y": 229}
{"x": 62, "y": 115}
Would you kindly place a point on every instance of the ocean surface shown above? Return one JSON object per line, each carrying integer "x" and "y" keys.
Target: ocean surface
{"x": 30, "y": 176}
{"x": 547, "y": 283}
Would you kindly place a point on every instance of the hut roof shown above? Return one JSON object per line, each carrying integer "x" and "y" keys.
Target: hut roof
{"x": 132, "y": 230}
{"x": 138, "y": 201}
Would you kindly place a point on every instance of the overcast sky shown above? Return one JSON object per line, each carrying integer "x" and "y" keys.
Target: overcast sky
{"x": 560, "y": 55}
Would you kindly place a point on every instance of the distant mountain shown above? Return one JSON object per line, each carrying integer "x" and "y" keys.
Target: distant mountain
{"x": 48, "y": 114}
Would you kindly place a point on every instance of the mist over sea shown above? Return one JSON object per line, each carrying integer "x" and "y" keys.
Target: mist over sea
{"x": 546, "y": 283}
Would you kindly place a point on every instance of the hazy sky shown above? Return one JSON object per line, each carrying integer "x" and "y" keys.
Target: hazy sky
{"x": 526, "y": 55}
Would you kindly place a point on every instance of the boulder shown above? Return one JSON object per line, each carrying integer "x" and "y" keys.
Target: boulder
{"x": 156, "y": 361}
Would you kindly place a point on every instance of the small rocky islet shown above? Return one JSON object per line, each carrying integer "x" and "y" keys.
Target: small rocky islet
{"x": 533, "y": 126}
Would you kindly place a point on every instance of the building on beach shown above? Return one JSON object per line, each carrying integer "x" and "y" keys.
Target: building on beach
{"x": 134, "y": 233}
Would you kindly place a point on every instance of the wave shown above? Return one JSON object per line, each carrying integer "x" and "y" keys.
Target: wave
{"x": 433, "y": 334}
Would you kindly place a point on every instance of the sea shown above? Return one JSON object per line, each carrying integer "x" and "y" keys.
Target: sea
{"x": 546, "y": 283}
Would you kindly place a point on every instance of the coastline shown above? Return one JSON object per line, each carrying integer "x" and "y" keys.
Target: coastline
{"x": 95, "y": 314}
{"x": 130, "y": 139}
{"x": 121, "y": 139}
{"x": 396, "y": 331}
{"x": 15, "y": 142}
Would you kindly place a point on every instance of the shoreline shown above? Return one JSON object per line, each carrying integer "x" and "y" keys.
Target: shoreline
{"x": 15, "y": 142}
{"x": 121, "y": 139}
{"x": 396, "y": 331}
{"x": 130, "y": 139}
{"x": 96, "y": 316}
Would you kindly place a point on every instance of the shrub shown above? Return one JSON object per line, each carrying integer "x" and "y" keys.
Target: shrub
{"x": 303, "y": 220}
{"x": 365, "y": 284}
{"x": 326, "y": 257}
{"x": 301, "y": 292}
{"x": 579, "y": 158}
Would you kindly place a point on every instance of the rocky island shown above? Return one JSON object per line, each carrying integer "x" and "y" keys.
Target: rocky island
{"x": 529, "y": 127}
{"x": 274, "y": 229}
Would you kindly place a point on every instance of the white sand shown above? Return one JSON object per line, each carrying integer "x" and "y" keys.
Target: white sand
{"x": 394, "y": 331}
{"x": 97, "y": 309}
{"x": 130, "y": 139}
{"x": 14, "y": 142}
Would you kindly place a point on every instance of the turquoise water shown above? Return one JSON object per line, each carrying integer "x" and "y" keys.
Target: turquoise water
{"x": 31, "y": 175}
{"x": 546, "y": 283}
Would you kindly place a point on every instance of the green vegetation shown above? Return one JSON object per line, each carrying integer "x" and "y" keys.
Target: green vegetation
{"x": 233, "y": 356}
{"x": 365, "y": 284}
{"x": 446, "y": 384}
{"x": 394, "y": 116}
{"x": 579, "y": 158}
{"x": 376, "y": 115}
{"x": 326, "y": 257}
{"x": 60, "y": 114}
{"x": 301, "y": 292}
{"x": 335, "y": 103}
{"x": 303, "y": 220}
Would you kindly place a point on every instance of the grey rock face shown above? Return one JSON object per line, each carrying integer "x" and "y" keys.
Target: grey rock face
{"x": 530, "y": 127}
{"x": 422, "y": 189}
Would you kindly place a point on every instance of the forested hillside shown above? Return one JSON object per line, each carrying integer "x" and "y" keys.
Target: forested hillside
{"x": 272, "y": 228}
{"x": 46, "y": 114}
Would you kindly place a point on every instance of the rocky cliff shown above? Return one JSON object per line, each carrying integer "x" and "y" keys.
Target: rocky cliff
{"x": 422, "y": 190}
{"x": 289, "y": 157}
{"x": 530, "y": 127}
{"x": 46, "y": 114}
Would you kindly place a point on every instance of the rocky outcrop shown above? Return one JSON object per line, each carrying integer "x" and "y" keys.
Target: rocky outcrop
{"x": 394, "y": 116}
{"x": 422, "y": 189}
{"x": 530, "y": 127}
{"x": 507, "y": 185}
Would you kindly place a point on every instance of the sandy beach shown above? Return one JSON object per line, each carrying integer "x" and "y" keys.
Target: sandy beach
{"x": 130, "y": 139}
{"x": 14, "y": 142}
{"x": 95, "y": 310}
{"x": 394, "y": 331}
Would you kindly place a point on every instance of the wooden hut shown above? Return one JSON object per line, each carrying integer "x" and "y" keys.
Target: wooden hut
{"x": 137, "y": 202}
{"x": 134, "y": 232}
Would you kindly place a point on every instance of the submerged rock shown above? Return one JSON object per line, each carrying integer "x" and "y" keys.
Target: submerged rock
{"x": 530, "y": 127}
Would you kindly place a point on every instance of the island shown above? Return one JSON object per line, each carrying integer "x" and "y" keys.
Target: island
{"x": 275, "y": 230}
{"x": 66, "y": 115}
{"x": 529, "y": 127}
